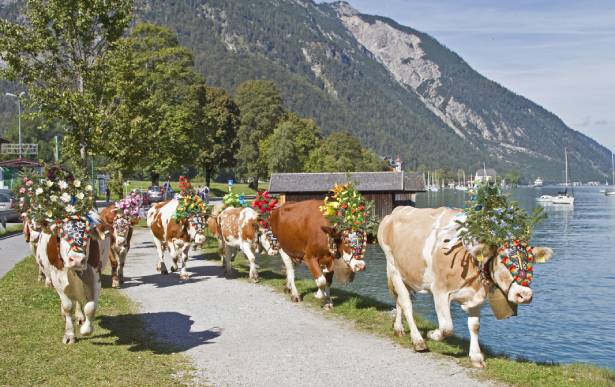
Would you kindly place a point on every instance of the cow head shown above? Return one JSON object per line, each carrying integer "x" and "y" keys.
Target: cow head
{"x": 511, "y": 267}
{"x": 196, "y": 228}
{"x": 121, "y": 231}
{"x": 72, "y": 244}
{"x": 348, "y": 249}
{"x": 268, "y": 241}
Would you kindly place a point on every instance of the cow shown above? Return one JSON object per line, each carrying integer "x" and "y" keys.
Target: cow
{"x": 72, "y": 260}
{"x": 121, "y": 233}
{"x": 174, "y": 236}
{"x": 424, "y": 253}
{"x": 32, "y": 233}
{"x": 304, "y": 234}
{"x": 238, "y": 228}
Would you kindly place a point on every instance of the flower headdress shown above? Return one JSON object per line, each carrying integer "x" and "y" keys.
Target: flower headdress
{"x": 25, "y": 194}
{"x": 232, "y": 199}
{"x": 264, "y": 204}
{"x": 130, "y": 206}
{"x": 347, "y": 210}
{"x": 190, "y": 204}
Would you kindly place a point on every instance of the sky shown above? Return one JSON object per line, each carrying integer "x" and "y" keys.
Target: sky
{"x": 558, "y": 53}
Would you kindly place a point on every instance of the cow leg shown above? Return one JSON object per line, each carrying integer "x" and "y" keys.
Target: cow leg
{"x": 321, "y": 282}
{"x": 290, "y": 277}
{"x": 174, "y": 252}
{"x": 229, "y": 253}
{"x": 476, "y": 356}
{"x": 247, "y": 250}
{"x": 161, "y": 267}
{"x": 445, "y": 322}
{"x": 113, "y": 259}
{"x": 184, "y": 252}
{"x": 120, "y": 271}
{"x": 67, "y": 314}
{"x": 403, "y": 300}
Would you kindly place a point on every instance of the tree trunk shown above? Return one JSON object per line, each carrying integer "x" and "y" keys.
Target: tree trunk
{"x": 254, "y": 184}
{"x": 155, "y": 178}
{"x": 208, "y": 173}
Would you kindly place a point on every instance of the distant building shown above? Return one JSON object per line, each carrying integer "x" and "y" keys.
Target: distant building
{"x": 387, "y": 189}
{"x": 484, "y": 175}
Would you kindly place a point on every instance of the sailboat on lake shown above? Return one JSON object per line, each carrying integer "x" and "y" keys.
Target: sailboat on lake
{"x": 564, "y": 197}
{"x": 611, "y": 191}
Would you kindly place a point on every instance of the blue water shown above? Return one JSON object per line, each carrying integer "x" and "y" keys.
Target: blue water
{"x": 572, "y": 316}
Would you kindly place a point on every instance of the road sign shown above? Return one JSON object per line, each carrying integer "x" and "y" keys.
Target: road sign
{"x": 13, "y": 149}
{"x": 230, "y": 182}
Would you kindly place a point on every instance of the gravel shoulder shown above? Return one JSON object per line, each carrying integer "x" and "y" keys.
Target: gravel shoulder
{"x": 241, "y": 334}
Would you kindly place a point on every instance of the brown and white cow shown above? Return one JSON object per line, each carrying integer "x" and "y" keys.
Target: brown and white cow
{"x": 176, "y": 237}
{"x": 304, "y": 234}
{"x": 424, "y": 253}
{"x": 121, "y": 234}
{"x": 238, "y": 229}
{"x": 73, "y": 260}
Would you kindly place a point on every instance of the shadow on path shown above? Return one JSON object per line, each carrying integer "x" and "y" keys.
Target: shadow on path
{"x": 172, "y": 332}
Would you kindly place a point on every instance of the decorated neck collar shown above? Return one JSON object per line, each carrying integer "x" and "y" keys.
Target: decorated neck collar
{"x": 518, "y": 257}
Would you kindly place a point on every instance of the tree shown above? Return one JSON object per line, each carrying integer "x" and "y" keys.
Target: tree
{"x": 342, "y": 152}
{"x": 216, "y": 131}
{"x": 261, "y": 108}
{"x": 288, "y": 147}
{"x": 153, "y": 84}
{"x": 60, "y": 54}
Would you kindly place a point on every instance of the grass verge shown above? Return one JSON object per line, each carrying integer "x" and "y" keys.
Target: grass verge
{"x": 118, "y": 353}
{"x": 11, "y": 230}
{"x": 374, "y": 317}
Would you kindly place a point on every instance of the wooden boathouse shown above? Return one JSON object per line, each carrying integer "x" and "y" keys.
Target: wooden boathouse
{"x": 387, "y": 189}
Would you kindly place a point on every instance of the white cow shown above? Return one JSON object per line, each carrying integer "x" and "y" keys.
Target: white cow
{"x": 72, "y": 261}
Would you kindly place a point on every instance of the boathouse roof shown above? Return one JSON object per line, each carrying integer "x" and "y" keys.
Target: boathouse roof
{"x": 364, "y": 181}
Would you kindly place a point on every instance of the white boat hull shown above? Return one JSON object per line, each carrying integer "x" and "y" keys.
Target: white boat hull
{"x": 560, "y": 199}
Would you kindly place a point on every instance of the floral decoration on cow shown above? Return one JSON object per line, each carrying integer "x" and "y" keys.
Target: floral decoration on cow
{"x": 25, "y": 194}
{"x": 234, "y": 200}
{"x": 130, "y": 206}
{"x": 190, "y": 204}
{"x": 264, "y": 204}
{"x": 492, "y": 219}
{"x": 346, "y": 209}
{"x": 59, "y": 195}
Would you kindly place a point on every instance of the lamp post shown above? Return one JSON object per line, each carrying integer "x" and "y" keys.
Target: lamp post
{"x": 18, "y": 115}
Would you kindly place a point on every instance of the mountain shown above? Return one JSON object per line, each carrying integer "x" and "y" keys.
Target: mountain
{"x": 399, "y": 90}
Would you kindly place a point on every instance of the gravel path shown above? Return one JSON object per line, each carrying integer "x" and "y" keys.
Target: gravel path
{"x": 242, "y": 334}
{"x": 12, "y": 250}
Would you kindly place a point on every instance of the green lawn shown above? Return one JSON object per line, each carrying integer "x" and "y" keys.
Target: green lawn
{"x": 11, "y": 229}
{"x": 118, "y": 353}
{"x": 374, "y": 317}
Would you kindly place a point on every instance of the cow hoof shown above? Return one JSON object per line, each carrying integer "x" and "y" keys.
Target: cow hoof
{"x": 399, "y": 332}
{"x": 115, "y": 284}
{"x": 420, "y": 346}
{"x": 68, "y": 339}
{"x": 173, "y": 268}
{"x": 184, "y": 276}
{"x": 48, "y": 283}
{"x": 435, "y": 335}
{"x": 295, "y": 298}
{"x": 86, "y": 329}
{"x": 286, "y": 290}
{"x": 478, "y": 361}
{"x": 327, "y": 306}
{"x": 254, "y": 279}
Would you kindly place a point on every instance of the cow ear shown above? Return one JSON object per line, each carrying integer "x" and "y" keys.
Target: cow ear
{"x": 330, "y": 231}
{"x": 482, "y": 251}
{"x": 542, "y": 254}
{"x": 53, "y": 252}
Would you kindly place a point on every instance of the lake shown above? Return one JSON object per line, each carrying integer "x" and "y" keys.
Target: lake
{"x": 572, "y": 316}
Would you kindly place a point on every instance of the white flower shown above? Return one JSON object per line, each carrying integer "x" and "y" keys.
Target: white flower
{"x": 65, "y": 197}
{"x": 39, "y": 191}
{"x": 88, "y": 187}
{"x": 49, "y": 213}
{"x": 77, "y": 183}
{"x": 70, "y": 209}
{"x": 53, "y": 198}
{"x": 63, "y": 184}
{"x": 80, "y": 196}
{"x": 49, "y": 183}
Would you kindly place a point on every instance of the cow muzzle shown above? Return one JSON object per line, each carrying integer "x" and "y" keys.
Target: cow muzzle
{"x": 357, "y": 265}
{"x": 76, "y": 261}
{"x": 520, "y": 294}
{"x": 120, "y": 241}
{"x": 199, "y": 239}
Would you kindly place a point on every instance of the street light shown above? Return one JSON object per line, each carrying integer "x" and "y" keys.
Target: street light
{"x": 18, "y": 114}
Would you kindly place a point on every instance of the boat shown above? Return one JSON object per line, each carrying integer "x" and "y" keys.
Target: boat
{"x": 611, "y": 191}
{"x": 538, "y": 182}
{"x": 564, "y": 197}
{"x": 545, "y": 199}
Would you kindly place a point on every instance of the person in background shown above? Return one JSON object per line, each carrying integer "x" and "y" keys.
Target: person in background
{"x": 166, "y": 189}
{"x": 108, "y": 194}
{"x": 206, "y": 194}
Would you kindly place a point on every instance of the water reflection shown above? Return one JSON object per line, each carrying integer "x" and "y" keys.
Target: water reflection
{"x": 571, "y": 317}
